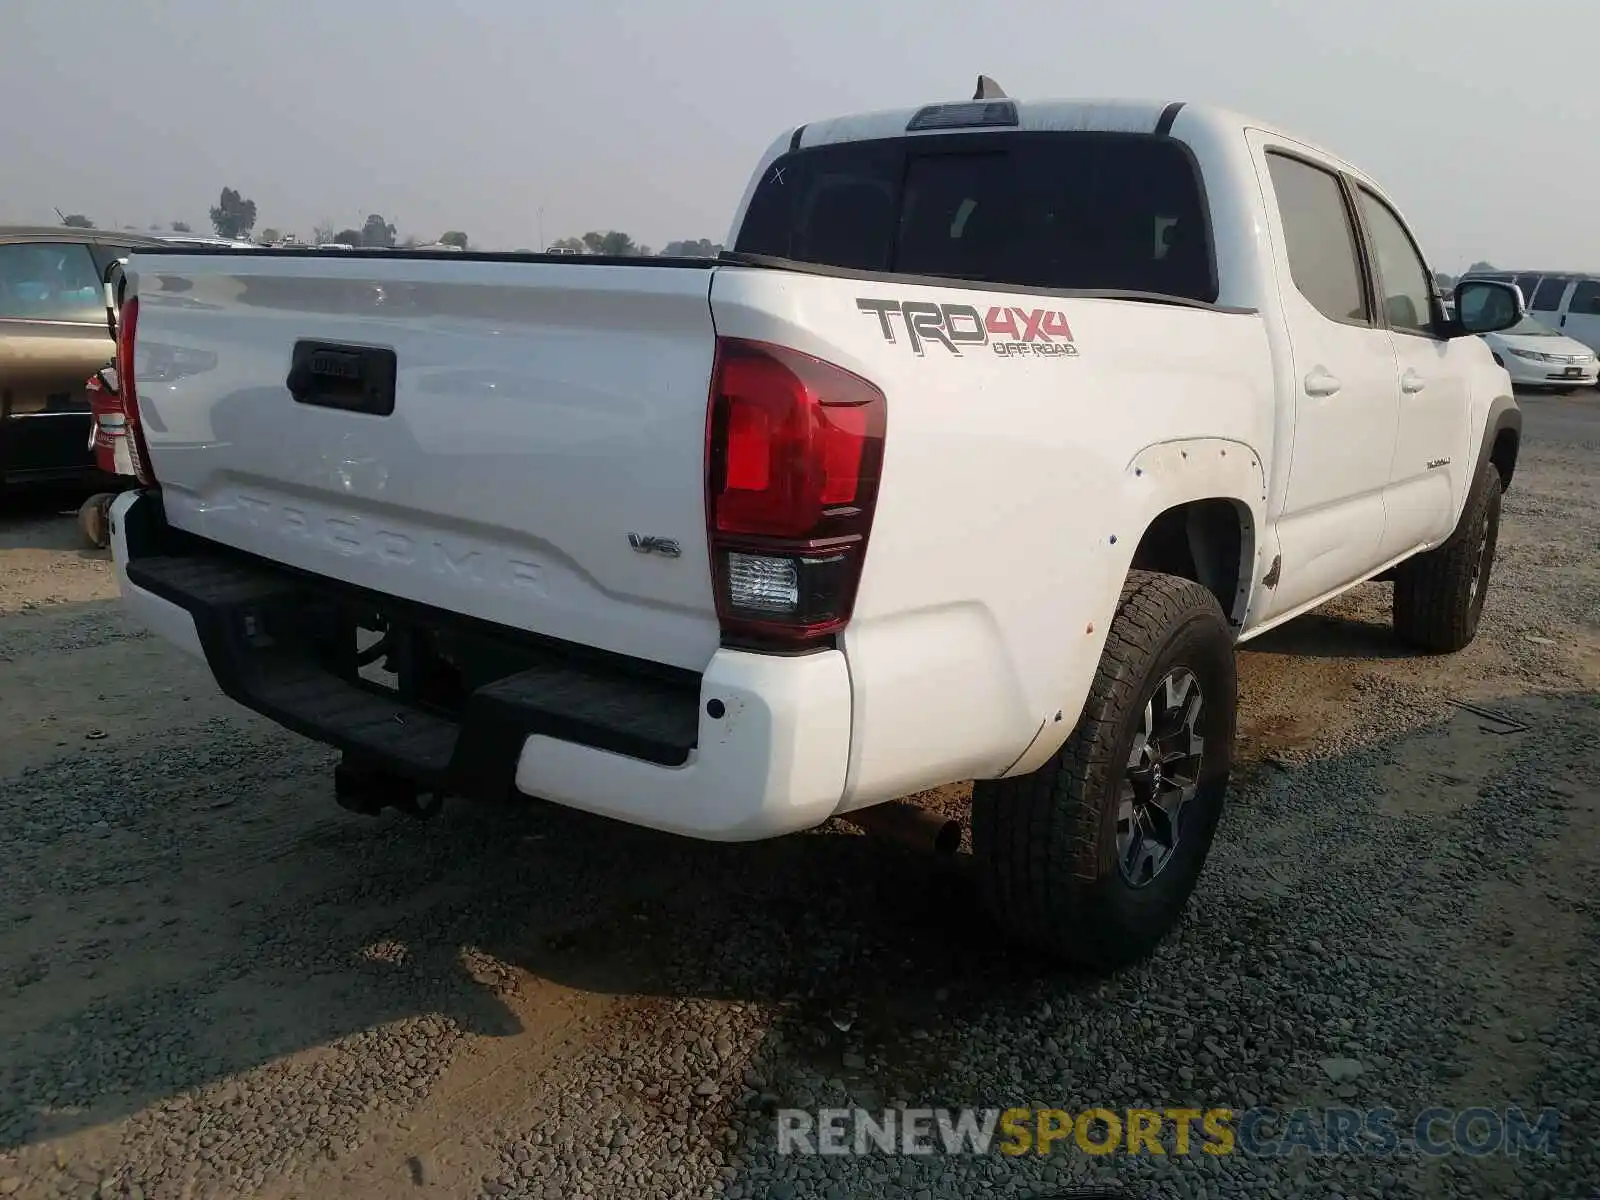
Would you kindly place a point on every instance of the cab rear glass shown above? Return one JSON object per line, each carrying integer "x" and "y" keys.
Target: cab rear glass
{"x": 1076, "y": 211}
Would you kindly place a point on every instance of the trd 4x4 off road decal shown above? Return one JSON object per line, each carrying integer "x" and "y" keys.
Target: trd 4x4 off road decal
{"x": 1008, "y": 332}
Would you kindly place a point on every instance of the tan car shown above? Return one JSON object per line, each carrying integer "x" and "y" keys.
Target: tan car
{"x": 54, "y": 333}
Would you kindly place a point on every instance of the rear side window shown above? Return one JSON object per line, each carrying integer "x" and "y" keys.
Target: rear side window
{"x": 1586, "y": 298}
{"x": 1547, "y": 297}
{"x": 1320, "y": 239}
{"x": 1527, "y": 283}
{"x": 1089, "y": 211}
{"x": 49, "y": 281}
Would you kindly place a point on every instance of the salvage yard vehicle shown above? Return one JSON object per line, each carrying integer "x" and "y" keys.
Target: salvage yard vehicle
{"x": 1571, "y": 307}
{"x": 55, "y": 332}
{"x": 1536, "y": 356}
{"x": 999, "y": 427}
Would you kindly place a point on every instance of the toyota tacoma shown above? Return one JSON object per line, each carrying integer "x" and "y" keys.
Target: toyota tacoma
{"x": 995, "y": 431}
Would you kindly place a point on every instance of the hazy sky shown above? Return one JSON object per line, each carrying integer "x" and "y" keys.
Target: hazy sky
{"x": 647, "y": 115}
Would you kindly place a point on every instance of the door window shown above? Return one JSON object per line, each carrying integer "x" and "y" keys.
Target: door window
{"x": 1585, "y": 299}
{"x": 1548, "y": 296}
{"x": 1320, "y": 239}
{"x": 49, "y": 281}
{"x": 1408, "y": 290}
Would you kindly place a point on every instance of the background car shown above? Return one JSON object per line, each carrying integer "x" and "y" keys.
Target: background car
{"x": 202, "y": 242}
{"x": 1570, "y": 305}
{"x": 1568, "y": 302}
{"x": 55, "y": 333}
{"x": 1537, "y": 356}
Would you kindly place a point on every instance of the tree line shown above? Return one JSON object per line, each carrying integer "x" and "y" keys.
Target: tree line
{"x": 234, "y": 216}
{"x": 617, "y": 244}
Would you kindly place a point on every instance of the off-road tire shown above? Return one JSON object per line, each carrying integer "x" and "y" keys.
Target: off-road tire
{"x": 1439, "y": 595}
{"x": 1045, "y": 845}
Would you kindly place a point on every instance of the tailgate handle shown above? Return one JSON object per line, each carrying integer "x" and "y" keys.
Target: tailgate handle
{"x": 351, "y": 378}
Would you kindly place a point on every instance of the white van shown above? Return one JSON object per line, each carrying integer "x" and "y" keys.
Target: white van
{"x": 1569, "y": 305}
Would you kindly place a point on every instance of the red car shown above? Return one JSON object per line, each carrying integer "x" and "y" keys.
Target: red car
{"x": 108, "y": 432}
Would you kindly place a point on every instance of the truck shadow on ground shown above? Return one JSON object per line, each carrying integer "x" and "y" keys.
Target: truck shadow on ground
{"x": 185, "y": 934}
{"x": 1336, "y": 635}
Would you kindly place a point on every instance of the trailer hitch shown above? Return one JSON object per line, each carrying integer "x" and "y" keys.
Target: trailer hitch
{"x": 367, "y": 790}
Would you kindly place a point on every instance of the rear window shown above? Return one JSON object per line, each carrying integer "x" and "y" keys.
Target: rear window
{"x": 1090, "y": 211}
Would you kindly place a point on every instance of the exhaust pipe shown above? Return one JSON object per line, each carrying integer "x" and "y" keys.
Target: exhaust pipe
{"x": 917, "y": 828}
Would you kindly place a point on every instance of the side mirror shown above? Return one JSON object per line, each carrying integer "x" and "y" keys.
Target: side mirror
{"x": 1486, "y": 306}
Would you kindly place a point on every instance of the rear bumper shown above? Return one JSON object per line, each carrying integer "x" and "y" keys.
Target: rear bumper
{"x": 757, "y": 746}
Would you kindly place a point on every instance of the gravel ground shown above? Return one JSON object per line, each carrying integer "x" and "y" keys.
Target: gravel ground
{"x": 215, "y": 983}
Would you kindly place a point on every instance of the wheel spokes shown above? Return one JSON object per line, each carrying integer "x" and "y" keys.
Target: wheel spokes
{"x": 1137, "y": 851}
{"x": 1139, "y": 755}
{"x": 1162, "y": 776}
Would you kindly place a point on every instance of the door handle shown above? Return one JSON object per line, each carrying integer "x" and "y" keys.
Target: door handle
{"x": 1411, "y": 382}
{"x": 1320, "y": 383}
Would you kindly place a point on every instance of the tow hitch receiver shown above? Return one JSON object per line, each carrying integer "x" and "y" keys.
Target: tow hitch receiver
{"x": 367, "y": 790}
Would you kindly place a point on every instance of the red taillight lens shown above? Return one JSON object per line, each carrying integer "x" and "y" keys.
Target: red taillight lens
{"x": 138, "y": 451}
{"x": 793, "y": 458}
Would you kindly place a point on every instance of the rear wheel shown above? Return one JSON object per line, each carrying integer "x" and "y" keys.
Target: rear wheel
{"x": 1092, "y": 858}
{"x": 1439, "y": 595}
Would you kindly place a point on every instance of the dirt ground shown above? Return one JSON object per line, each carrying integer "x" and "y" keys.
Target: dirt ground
{"x": 213, "y": 982}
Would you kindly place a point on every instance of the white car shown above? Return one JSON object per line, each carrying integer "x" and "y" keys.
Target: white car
{"x": 1534, "y": 355}
{"x": 997, "y": 429}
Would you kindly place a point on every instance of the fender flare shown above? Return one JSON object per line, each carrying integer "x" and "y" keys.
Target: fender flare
{"x": 1160, "y": 477}
{"x": 1504, "y": 414}
{"x": 1199, "y": 469}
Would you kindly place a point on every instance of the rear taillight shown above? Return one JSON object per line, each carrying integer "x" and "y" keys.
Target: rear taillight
{"x": 793, "y": 454}
{"x": 138, "y": 450}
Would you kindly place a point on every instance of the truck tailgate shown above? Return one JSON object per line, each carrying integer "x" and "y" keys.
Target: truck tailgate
{"x": 543, "y": 458}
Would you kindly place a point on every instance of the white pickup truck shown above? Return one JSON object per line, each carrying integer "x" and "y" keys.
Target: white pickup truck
{"x": 998, "y": 428}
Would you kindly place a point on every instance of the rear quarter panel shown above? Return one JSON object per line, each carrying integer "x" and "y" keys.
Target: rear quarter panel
{"x": 1016, "y": 485}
